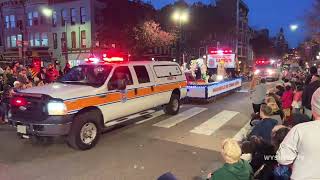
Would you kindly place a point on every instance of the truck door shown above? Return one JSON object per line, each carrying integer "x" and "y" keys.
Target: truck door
{"x": 120, "y": 102}
{"x": 144, "y": 90}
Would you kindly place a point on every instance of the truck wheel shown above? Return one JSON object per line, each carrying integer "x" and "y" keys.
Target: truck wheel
{"x": 173, "y": 107}
{"x": 85, "y": 131}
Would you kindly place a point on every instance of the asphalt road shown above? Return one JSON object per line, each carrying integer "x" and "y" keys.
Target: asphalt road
{"x": 142, "y": 150}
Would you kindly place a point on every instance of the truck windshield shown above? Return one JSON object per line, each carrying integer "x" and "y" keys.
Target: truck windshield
{"x": 265, "y": 66}
{"x": 92, "y": 75}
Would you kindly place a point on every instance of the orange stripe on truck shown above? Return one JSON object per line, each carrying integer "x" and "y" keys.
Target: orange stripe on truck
{"x": 98, "y": 100}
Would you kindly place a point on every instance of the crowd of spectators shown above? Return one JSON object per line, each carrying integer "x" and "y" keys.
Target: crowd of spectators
{"x": 17, "y": 77}
{"x": 281, "y": 144}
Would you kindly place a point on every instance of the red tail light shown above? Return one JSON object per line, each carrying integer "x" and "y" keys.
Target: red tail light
{"x": 19, "y": 101}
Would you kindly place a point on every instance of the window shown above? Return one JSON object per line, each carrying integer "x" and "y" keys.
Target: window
{"x": 8, "y": 42}
{"x": 167, "y": 70}
{"x": 63, "y": 42}
{"x": 83, "y": 39}
{"x": 37, "y": 39}
{"x": 35, "y": 18}
{"x": 83, "y": 15}
{"x": 55, "y": 40}
{"x": 7, "y": 22}
{"x": 63, "y": 17}
{"x": 142, "y": 74}
{"x": 73, "y": 16}
{"x": 44, "y": 39}
{"x": 122, "y": 73}
{"x": 12, "y": 21}
{"x": 94, "y": 76}
{"x": 13, "y": 41}
{"x": 19, "y": 37}
{"x": 54, "y": 18}
{"x": 31, "y": 40}
{"x": 30, "y": 19}
{"x": 73, "y": 39}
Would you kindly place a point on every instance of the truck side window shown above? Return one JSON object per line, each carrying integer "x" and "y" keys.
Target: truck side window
{"x": 142, "y": 74}
{"x": 120, "y": 73}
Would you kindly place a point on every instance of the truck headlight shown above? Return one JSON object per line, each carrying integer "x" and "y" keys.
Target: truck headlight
{"x": 256, "y": 72}
{"x": 56, "y": 108}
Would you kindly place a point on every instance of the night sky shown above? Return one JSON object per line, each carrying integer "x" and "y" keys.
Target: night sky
{"x": 271, "y": 14}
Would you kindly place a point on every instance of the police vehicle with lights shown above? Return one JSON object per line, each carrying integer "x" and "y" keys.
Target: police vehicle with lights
{"x": 98, "y": 94}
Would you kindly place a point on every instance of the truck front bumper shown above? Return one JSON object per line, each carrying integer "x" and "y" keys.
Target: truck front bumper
{"x": 51, "y": 126}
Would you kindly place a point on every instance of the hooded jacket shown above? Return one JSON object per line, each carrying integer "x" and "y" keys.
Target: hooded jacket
{"x": 237, "y": 171}
{"x": 308, "y": 92}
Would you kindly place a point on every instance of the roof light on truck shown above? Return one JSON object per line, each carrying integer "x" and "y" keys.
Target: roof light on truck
{"x": 113, "y": 59}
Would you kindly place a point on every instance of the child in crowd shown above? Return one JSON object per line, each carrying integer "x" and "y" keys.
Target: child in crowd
{"x": 297, "y": 99}
{"x": 287, "y": 99}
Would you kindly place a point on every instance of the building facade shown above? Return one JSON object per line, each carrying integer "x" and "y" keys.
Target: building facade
{"x": 52, "y": 30}
{"x": 236, "y": 15}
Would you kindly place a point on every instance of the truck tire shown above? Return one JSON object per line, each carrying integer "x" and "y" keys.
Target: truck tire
{"x": 85, "y": 131}
{"x": 173, "y": 107}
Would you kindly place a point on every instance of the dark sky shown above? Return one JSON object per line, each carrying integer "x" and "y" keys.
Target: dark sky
{"x": 272, "y": 14}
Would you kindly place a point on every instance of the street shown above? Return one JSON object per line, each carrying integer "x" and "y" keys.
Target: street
{"x": 144, "y": 149}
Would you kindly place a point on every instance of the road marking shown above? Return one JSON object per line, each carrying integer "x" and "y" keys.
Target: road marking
{"x": 174, "y": 120}
{"x": 243, "y": 132}
{"x": 214, "y": 123}
{"x": 154, "y": 115}
{"x": 243, "y": 91}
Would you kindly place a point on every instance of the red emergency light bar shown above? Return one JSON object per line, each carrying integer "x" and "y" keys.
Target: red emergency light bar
{"x": 262, "y": 62}
{"x": 113, "y": 59}
{"x": 219, "y": 51}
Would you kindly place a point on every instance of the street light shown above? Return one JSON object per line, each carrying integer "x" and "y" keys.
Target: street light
{"x": 181, "y": 17}
{"x": 47, "y": 12}
{"x": 294, "y": 27}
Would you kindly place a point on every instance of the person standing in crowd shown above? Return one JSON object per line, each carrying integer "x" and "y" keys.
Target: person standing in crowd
{"x": 307, "y": 94}
{"x": 22, "y": 77}
{"x": 42, "y": 74}
{"x": 51, "y": 74}
{"x": 66, "y": 68}
{"x": 287, "y": 99}
{"x": 258, "y": 95}
{"x": 313, "y": 71}
{"x": 264, "y": 127}
{"x": 277, "y": 113}
{"x": 9, "y": 76}
{"x": 300, "y": 146}
{"x": 297, "y": 99}
{"x": 234, "y": 168}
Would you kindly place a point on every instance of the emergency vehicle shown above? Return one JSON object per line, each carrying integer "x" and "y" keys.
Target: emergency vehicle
{"x": 267, "y": 69}
{"x": 96, "y": 95}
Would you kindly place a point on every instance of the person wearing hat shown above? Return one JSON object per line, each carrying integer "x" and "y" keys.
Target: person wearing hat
{"x": 264, "y": 127}
{"x": 301, "y": 148}
{"x": 234, "y": 168}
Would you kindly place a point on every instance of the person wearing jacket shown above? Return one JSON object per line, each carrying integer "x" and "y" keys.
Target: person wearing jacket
{"x": 258, "y": 95}
{"x": 307, "y": 95}
{"x": 300, "y": 147}
{"x": 234, "y": 167}
{"x": 51, "y": 74}
{"x": 264, "y": 127}
{"x": 287, "y": 99}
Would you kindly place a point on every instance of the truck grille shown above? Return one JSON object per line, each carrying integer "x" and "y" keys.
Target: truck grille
{"x": 34, "y": 110}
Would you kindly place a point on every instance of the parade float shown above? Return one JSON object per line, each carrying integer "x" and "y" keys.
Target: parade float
{"x": 205, "y": 86}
